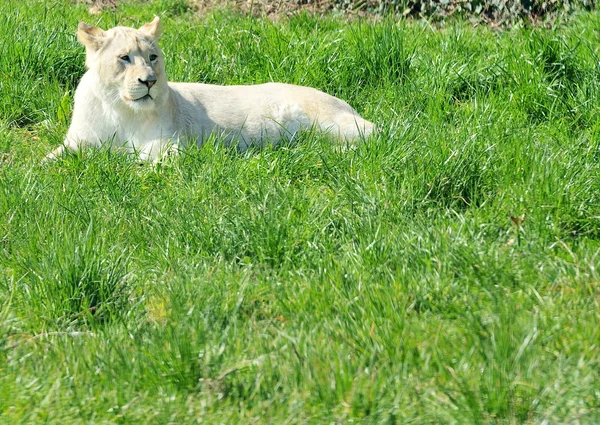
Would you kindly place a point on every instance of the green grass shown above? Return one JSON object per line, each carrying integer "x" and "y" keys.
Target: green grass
{"x": 305, "y": 284}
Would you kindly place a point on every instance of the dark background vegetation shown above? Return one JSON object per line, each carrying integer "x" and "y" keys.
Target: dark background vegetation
{"x": 494, "y": 12}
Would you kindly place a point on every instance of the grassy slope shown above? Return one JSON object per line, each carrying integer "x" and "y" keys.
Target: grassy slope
{"x": 304, "y": 285}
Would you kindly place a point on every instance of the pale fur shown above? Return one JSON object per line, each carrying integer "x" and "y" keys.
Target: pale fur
{"x": 108, "y": 110}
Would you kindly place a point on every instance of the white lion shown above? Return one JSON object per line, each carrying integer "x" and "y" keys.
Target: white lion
{"x": 124, "y": 99}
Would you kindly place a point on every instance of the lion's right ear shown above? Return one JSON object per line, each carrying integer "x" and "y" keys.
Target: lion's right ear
{"x": 152, "y": 29}
{"x": 91, "y": 37}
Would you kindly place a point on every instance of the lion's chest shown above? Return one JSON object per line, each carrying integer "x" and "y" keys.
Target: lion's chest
{"x": 135, "y": 130}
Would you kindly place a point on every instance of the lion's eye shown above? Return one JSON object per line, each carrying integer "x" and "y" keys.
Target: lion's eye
{"x": 153, "y": 57}
{"x": 125, "y": 58}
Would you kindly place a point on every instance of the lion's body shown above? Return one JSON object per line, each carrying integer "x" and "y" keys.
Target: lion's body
{"x": 124, "y": 99}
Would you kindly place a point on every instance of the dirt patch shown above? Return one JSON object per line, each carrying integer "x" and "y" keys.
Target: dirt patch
{"x": 270, "y": 8}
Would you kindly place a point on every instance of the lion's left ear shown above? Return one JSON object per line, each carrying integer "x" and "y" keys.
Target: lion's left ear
{"x": 91, "y": 37}
{"x": 153, "y": 28}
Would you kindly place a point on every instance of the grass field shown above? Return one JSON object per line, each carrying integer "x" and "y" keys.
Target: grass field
{"x": 307, "y": 284}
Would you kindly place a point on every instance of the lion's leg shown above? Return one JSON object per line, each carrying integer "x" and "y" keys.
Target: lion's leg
{"x": 157, "y": 150}
{"x": 59, "y": 151}
{"x": 353, "y": 128}
{"x": 52, "y": 156}
{"x": 347, "y": 127}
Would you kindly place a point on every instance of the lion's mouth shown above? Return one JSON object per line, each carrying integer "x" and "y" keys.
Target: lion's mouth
{"x": 146, "y": 97}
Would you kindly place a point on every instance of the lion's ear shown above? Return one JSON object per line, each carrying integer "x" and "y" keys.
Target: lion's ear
{"x": 153, "y": 28}
{"x": 91, "y": 37}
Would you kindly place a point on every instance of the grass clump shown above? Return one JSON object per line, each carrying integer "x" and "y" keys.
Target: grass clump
{"x": 77, "y": 282}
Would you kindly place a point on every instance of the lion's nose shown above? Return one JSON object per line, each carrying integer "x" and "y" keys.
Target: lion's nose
{"x": 149, "y": 82}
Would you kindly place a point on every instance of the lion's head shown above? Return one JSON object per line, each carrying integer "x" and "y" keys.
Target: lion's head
{"x": 128, "y": 62}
